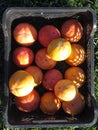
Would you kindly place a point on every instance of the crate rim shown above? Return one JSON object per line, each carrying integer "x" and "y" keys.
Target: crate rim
{"x": 76, "y": 9}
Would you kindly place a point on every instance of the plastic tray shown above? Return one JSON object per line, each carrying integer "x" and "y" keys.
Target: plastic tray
{"x": 13, "y": 118}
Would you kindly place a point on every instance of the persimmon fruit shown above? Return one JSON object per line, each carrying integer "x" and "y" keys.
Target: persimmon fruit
{"x": 49, "y": 104}
{"x": 25, "y": 34}
{"x": 74, "y": 107}
{"x": 23, "y": 56}
{"x": 75, "y": 74}
{"x": 77, "y": 56}
{"x": 37, "y": 74}
{"x": 29, "y": 102}
{"x": 21, "y": 83}
{"x": 59, "y": 49}
{"x": 50, "y": 78}
{"x": 72, "y": 30}
{"x": 65, "y": 90}
{"x": 43, "y": 61}
{"x": 48, "y": 33}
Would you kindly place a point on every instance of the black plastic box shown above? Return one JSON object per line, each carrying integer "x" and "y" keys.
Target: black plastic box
{"x": 13, "y": 118}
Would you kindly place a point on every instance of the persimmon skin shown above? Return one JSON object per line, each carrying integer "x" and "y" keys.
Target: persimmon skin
{"x": 21, "y": 83}
{"x": 59, "y": 49}
{"x": 74, "y": 107}
{"x": 48, "y": 33}
{"x": 75, "y": 74}
{"x": 37, "y": 74}
{"x": 23, "y": 56}
{"x": 43, "y": 60}
{"x": 77, "y": 56}
{"x": 25, "y": 34}
{"x": 50, "y": 78}
{"x": 65, "y": 90}
{"x": 72, "y": 30}
{"x": 49, "y": 104}
{"x": 29, "y": 102}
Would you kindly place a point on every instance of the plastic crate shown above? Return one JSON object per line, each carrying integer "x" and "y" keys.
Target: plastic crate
{"x": 13, "y": 118}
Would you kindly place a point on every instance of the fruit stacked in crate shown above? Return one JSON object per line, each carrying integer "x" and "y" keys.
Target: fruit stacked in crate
{"x": 40, "y": 68}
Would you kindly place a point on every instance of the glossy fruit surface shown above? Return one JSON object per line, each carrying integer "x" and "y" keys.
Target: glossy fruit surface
{"x": 43, "y": 60}
{"x": 65, "y": 90}
{"x": 59, "y": 49}
{"x": 37, "y": 74}
{"x": 72, "y": 30}
{"x": 77, "y": 56}
{"x": 75, "y": 74}
{"x": 29, "y": 102}
{"x": 21, "y": 83}
{"x": 23, "y": 56}
{"x": 48, "y": 33}
{"x": 25, "y": 34}
{"x": 49, "y": 104}
{"x": 51, "y": 77}
{"x": 76, "y": 106}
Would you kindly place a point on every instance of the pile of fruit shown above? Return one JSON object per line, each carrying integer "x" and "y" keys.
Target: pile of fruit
{"x": 35, "y": 69}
